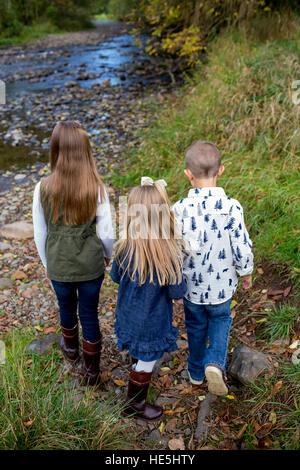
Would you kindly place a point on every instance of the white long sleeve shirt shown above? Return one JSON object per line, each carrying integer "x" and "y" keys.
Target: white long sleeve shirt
{"x": 217, "y": 244}
{"x": 104, "y": 226}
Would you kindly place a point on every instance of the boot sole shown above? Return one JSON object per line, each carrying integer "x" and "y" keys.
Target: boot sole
{"x": 216, "y": 384}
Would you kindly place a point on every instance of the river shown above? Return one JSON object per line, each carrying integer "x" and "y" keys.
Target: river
{"x": 97, "y": 77}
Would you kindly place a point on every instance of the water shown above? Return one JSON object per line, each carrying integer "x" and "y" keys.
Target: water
{"x": 38, "y": 93}
{"x": 107, "y": 60}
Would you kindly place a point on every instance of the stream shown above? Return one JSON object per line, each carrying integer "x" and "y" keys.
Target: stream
{"x": 99, "y": 82}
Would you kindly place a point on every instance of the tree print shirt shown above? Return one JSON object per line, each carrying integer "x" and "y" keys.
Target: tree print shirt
{"x": 217, "y": 244}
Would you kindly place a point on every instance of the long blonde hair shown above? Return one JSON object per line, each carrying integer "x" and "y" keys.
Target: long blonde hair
{"x": 159, "y": 249}
{"x": 74, "y": 181}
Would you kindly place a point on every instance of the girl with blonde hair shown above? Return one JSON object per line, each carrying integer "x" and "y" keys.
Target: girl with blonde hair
{"x": 74, "y": 238}
{"x": 148, "y": 269}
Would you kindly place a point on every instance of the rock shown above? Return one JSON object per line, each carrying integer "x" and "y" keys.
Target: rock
{"x": 20, "y": 177}
{"x": 160, "y": 401}
{"x": 247, "y": 364}
{"x": 184, "y": 374}
{"x": 43, "y": 345}
{"x": 4, "y": 247}
{"x": 154, "y": 436}
{"x": 166, "y": 357}
{"x": 5, "y": 283}
{"x": 17, "y": 230}
{"x": 202, "y": 429}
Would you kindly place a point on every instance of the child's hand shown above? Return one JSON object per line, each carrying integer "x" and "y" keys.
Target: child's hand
{"x": 106, "y": 261}
{"x": 247, "y": 281}
{"x": 179, "y": 302}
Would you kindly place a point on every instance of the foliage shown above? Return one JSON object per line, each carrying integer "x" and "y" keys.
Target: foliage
{"x": 183, "y": 27}
{"x": 16, "y": 15}
{"x": 241, "y": 100}
{"x": 41, "y": 409}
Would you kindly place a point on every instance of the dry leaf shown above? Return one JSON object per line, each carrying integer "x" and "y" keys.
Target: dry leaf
{"x": 276, "y": 387}
{"x": 49, "y": 330}
{"x": 119, "y": 382}
{"x": 29, "y": 423}
{"x": 176, "y": 444}
{"x": 241, "y": 431}
{"x": 260, "y": 270}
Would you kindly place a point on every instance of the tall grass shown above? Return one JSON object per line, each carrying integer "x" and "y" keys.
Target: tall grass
{"x": 241, "y": 100}
{"x": 41, "y": 409}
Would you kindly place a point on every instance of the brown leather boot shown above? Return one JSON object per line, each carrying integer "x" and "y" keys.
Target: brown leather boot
{"x": 136, "y": 397}
{"x": 91, "y": 358}
{"x": 69, "y": 344}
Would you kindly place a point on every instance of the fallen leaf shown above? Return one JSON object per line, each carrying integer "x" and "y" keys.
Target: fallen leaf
{"x": 262, "y": 320}
{"x": 18, "y": 275}
{"x": 230, "y": 397}
{"x": 276, "y": 387}
{"x": 176, "y": 444}
{"x": 287, "y": 291}
{"x": 294, "y": 344}
{"x": 49, "y": 330}
{"x": 233, "y": 303}
{"x": 120, "y": 382}
{"x": 275, "y": 292}
{"x": 169, "y": 412}
{"x": 273, "y": 417}
{"x": 241, "y": 431}
{"x": 39, "y": 328}
{"x": 201, "y": 397}
{"x": 260, "y": 270}
{"x": 29, "y": 423}
{"x": 161, "y": 427}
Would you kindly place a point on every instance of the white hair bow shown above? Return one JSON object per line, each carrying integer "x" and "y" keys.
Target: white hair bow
{"x": 147, "y": 181}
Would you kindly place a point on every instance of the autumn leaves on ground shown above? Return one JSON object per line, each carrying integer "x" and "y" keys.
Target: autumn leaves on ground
{"x": 242, "y": 101}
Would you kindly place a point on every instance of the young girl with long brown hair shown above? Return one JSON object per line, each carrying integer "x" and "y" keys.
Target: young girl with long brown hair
{"x": 74, "y": 238}
{"x": 148, "y": 269}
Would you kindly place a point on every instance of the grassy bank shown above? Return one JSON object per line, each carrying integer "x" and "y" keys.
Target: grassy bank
{"x": 30, "y": 33}
{"x": 42, "y": 409}
{"x": 240, "y": 100}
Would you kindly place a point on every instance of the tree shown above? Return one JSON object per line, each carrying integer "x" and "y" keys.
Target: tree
{"x": 210, "y": 269}
{"x": 214, "y": 226}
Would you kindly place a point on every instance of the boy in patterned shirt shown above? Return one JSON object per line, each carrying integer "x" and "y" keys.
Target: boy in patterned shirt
{"x": 218, "y": 248}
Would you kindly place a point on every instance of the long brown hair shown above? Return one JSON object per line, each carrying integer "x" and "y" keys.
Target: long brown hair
{"x": 74, "y": 182}
{"x": 159, "y": 249}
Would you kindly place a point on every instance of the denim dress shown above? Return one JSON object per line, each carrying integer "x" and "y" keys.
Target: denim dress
{"x": 144, "y": 315}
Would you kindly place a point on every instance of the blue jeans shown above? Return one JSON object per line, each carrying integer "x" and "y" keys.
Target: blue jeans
{"x": 85, "y": 294}
{"x": 207, "y": 322}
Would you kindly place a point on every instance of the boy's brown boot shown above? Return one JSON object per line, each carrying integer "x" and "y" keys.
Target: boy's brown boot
{"x": 69, "y": 344}
{"x": 91, "y": 361}
{"x": 136, "y": 397}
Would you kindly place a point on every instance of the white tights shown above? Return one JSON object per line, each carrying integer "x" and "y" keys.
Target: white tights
{"x": 144, "y": 366}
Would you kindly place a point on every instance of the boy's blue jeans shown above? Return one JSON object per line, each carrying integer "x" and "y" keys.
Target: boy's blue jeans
{"x": 203, "y": 322}
{"x": 86, "y": 295}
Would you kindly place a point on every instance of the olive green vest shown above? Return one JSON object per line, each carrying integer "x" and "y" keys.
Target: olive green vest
{"x": 73, "y": 252}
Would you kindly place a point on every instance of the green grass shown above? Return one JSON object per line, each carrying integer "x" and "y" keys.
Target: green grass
{"x": 30, "y": 33}
{"x": 241, "y": 100}
{"x": 280, "y": 322}
{"x": 41, "y": 409}
{"x": 276, "y": 400}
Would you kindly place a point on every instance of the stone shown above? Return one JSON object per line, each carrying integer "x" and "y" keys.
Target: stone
{"x": 247, "y": 364}
{"x": 203, "y": 428}
{"x": 155, "y": 436}
{"x": 20, "y": 230}
{"x": 160, "y": 401}
{"x": 5, "y": 283}
{"x": 4, "y": 247}
{"x": 43, "y": 345}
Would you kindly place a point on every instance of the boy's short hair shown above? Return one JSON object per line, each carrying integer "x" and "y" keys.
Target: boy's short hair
{"x": 203, "y": 159}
